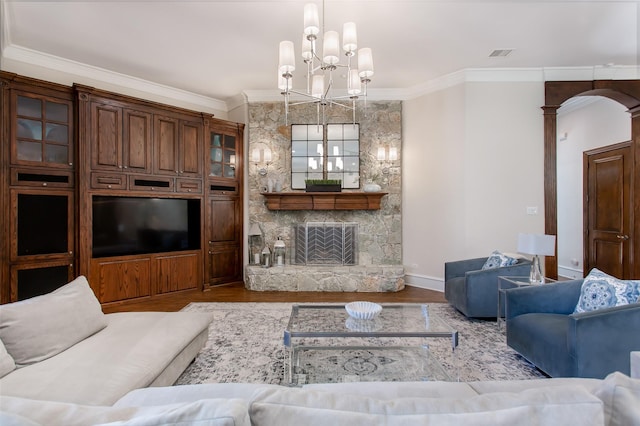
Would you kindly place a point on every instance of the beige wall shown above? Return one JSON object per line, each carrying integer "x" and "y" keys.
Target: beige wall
{"x": 473, "y": 164}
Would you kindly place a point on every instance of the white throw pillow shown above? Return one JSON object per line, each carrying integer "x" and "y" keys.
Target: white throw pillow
{"x": 38, "y": 328}
{"x": 621, "y": 397}
{"x": 541, "y": 406}
{"x": 7, "y": 364}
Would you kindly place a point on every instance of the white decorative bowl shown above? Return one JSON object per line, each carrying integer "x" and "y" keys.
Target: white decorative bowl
{"x": 363, "y": 310}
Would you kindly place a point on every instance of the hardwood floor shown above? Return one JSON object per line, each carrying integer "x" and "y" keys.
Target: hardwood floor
{"x": 237, "y": 293}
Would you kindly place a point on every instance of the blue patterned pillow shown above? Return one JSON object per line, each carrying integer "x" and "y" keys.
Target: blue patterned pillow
{"x": 498, "y": 260}
{"x": 600, "y": 290}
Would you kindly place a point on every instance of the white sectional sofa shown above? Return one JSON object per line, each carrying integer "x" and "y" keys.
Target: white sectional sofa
{"x": 61, "y": 347}
{"x": 103, "y": 379}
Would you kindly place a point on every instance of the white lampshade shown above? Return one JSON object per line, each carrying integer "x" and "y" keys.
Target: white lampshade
{"x": 537, "y": 244}
{"x": 331, "y": 47}
{"x": 354, "y": 83}
{"x": 307, "y": 49}
{"x": 287, "y": 62}
{"x": 381, "y": 153}
{"x": 267, "y": 155}
{"x": 317, "y": 86}
{"x": 365, "y": 62}
{"x": 255, "y": 155}
{"x": 393, "y": 153}
{"x": 311, "y": 19}
{"x": 254, "y": 230}
{"x": 349, "y": 37}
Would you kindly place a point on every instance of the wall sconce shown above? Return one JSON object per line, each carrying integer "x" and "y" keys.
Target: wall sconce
{"x": 387, "y": 155}
{"x": 261, "y": 156}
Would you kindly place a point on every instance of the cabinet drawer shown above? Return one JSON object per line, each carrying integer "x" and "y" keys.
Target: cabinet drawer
{"x": 151, "y": 184}
{"x": 108, "y": 181}
{"x": 41, "y": 178}
{"x": 191, "y": 186}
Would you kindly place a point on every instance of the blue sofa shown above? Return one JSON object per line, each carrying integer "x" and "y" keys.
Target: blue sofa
{"x": 473, "y": 290}
{"x": 542, "y": 327}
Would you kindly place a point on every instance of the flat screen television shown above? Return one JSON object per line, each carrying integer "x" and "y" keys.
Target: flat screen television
{"x": 138, "y": 225}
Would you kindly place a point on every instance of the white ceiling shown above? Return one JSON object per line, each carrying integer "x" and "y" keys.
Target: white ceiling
{"x": 218, "y": 49}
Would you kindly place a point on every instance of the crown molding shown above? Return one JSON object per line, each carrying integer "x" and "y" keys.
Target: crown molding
{"x": 88, "y": 74}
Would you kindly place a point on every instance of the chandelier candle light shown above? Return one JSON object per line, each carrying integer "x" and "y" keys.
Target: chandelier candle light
{"x": 319, "y": 67}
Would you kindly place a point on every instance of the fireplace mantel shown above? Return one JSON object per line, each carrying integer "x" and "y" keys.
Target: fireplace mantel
{"x": 323, "y": 200}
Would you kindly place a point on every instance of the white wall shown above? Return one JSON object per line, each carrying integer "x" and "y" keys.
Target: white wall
{"x": 600, "y": 122}
{"x": 473, "y": 163}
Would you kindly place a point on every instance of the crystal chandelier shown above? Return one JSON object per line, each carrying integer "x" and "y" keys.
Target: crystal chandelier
{"x": 320, "y": 66}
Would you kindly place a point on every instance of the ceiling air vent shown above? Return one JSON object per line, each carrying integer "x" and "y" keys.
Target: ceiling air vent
{"x": 500, "y": 53}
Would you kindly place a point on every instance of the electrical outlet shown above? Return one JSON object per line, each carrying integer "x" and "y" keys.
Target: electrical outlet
{"x": 532, "y": 210}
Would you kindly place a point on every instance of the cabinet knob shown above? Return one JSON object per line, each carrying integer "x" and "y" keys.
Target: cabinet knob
{"x": 71, "y": 252}
{"x": 71, "y": 164}
{"x": 109, "y": 186}
{"x": 152, "y": 188}
{"x": 210, "y": 252}
{"x": 188, "y": 190}
{"x": 120, "y": 166}
{"x": 210, "y": 242}
{"x": 44, "y": 183}
{"x": 126, "y": 167}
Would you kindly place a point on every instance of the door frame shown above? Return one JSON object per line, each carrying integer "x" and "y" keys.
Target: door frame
{"x": 626, "y": 92}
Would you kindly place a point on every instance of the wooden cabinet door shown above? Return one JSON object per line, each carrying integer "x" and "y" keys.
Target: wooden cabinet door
{"x": 224, "y": 264}
{"x": 190, "y": 149}
{"x": 106, "y": 137}
{"x": 41, "y": 131}
{"x": 224, "y": 261}
{"x": 166, "y": 137}
{"x": 177, "y": 272}
{"x": 117, "y": 279}
{"x": 136, "y": 156}
{"x": 35, "y": 279}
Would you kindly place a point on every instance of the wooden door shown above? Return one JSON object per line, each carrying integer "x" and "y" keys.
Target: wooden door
{"x": 607, "y": 210}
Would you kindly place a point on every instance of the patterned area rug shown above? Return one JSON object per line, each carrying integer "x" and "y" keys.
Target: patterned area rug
{"x": 246, "y": 346}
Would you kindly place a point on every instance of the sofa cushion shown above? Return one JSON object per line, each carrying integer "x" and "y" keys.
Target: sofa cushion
{"x": 600, "y": 290}
{"x": 128, "y": 354}
{"x": 621, "y": 397}
{"x": 223, "y": 412}
{"x": 41, "y": 327}
{"x": 7, "y": 364}
{"x": 557, "y": 405}
{"x": 499, "y": 260}
{"x": 393, "y": 390}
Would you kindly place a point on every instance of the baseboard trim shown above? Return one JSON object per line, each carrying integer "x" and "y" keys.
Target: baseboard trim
{"x": 421, "y": 281}
{"x": 568, "y": 272}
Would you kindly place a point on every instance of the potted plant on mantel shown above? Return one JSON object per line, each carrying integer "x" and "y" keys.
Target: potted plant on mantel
{"x": 323, "y": 185}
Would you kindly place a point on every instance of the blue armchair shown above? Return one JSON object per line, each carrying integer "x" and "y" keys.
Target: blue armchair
{"x": 542, "y": 327}
{"x": 473, "y": 290}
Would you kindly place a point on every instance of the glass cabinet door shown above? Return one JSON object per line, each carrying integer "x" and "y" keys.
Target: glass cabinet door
{"x": 222, "y": 155}
{"x": 43, "y": 131}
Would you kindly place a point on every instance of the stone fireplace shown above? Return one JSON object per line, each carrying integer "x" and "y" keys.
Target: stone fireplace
{"x": 375, "y": 262}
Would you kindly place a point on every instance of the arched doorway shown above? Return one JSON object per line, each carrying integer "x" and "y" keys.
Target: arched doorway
{"x": 626, "y": 92}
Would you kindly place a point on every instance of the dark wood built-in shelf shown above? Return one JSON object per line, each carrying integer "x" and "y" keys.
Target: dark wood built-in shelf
{"x": 323, "y": 200}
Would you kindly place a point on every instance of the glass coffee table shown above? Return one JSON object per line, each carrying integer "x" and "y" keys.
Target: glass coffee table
{"x": 324, "y": 344}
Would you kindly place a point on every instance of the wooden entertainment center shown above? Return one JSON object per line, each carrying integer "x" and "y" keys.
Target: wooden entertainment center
{"x": 64, "y": 146}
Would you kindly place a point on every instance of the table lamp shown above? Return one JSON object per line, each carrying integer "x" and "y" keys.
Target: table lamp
{"x": 536, "y": 245}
